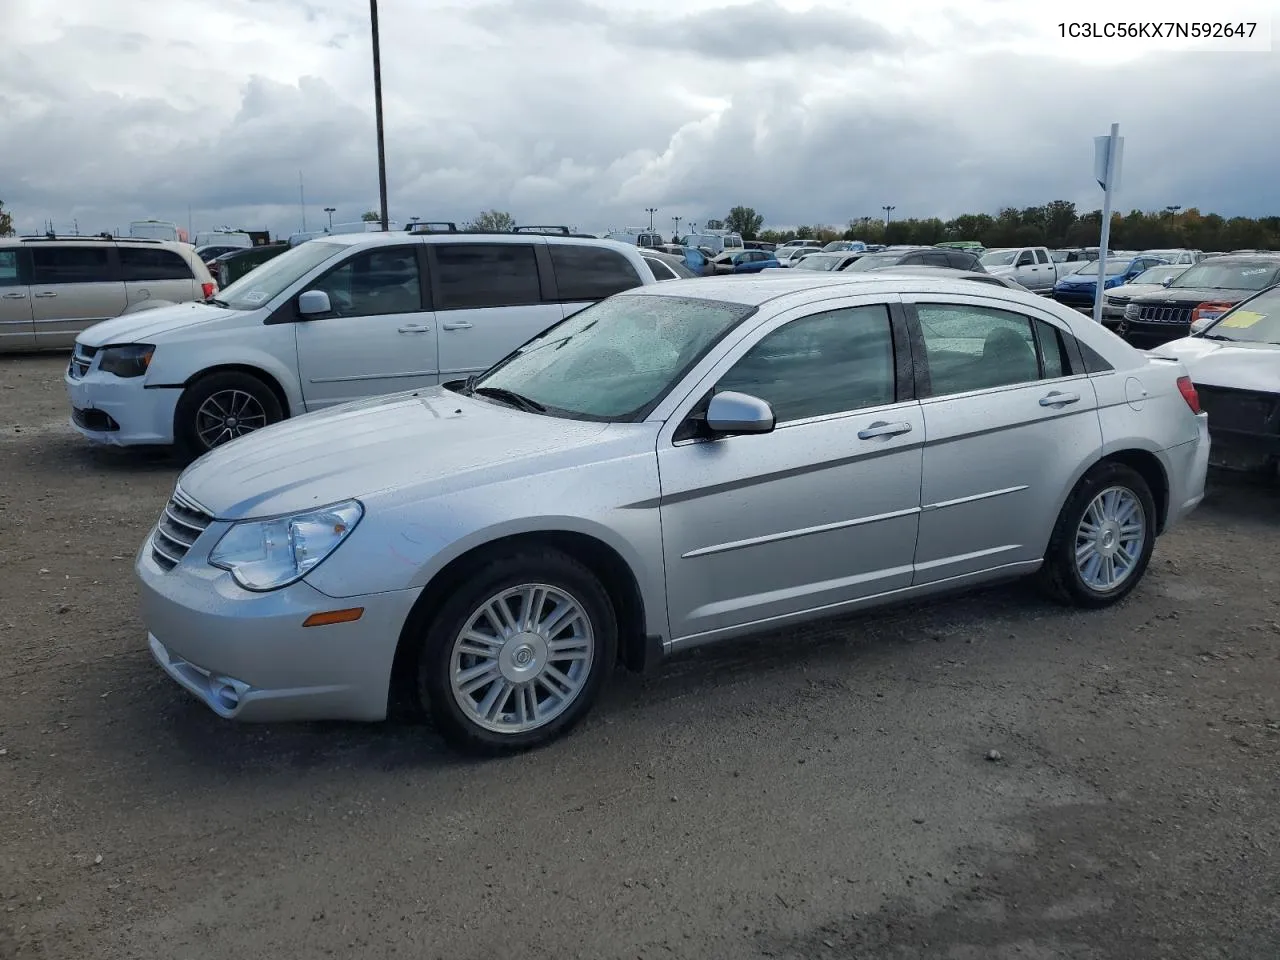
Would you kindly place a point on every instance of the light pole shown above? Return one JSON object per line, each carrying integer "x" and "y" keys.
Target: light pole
{"x": 377, "y": 109}
{"x": 651, "y": 211}
{"x": 1173, "y": 209}
{"x": 888, "y": 212}
{"x": 676, "y": 229}
{"x": 330, "y": 211}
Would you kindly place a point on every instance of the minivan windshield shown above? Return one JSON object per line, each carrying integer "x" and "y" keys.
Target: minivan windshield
{"x": 1255, "y": 321}
{"x": 264, "y": 283}
{"x": 1244, "y": 275}
{"x": 614, "y": 360}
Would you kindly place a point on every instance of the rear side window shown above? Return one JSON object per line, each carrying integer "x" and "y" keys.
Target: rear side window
{"x": 591, "y": 273}
{"x": 8, "y": 268}
{"x": 963, "y": 261}
{"x": 141, "y": 263}
{"x": 660, "y": 270}
{"x": 68, "y": 264}
{"x": 478, "y": 275}
{"x": 1042, "y": 256}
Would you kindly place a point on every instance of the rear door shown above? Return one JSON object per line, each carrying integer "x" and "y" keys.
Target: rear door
{"x": 1008, "y": 421}
{"x": 490, "y": 298}
{"x": 73, "y": 286}
{"x": 381, "y": 335}
{"x": 584, "y": 274}
{"x": 17, "y": 329}
{"x": 155, "y": 273}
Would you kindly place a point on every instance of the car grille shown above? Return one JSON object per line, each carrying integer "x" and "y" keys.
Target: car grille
{"x": 1117, "y": 301}
{"x": 1164, "y": 314}
{"x": 80, "y": 361}
{"x": 96, "y": 420}
{"x": 180, "y": 526}
{"x": 1240, "y": 410}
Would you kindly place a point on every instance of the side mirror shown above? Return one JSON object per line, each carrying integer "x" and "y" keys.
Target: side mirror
{"x": 1166, "y": 281}
{"x": 314, "y": 303}
{"x": 1202, "y": 324}
{"x": 731, "y": 412}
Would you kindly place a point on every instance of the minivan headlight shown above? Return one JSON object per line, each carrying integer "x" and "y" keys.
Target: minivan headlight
{"x": 269, "y": 554}
{"x": 126, "y": 360}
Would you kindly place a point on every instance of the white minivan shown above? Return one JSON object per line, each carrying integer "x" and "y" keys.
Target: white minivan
{"x": 333, "y": 320}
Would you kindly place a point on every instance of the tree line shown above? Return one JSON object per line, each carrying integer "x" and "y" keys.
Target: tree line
{"x": 1055, "y": 224}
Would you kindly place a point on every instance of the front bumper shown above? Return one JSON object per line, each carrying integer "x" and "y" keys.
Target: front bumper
{"x": 1145, "y": 334}
{"x": 247, "y": 655}
{"x": 1077, "y": 299}
{"x": 121, "y": 411}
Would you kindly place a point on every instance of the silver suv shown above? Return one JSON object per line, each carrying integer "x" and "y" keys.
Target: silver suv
{"x": 53, "y": 288}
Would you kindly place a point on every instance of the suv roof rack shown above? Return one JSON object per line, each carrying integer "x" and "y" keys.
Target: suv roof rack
{"x": 553, "y": 231}
{"x": 84, "y": 237}
{"x": 433, "y": 226}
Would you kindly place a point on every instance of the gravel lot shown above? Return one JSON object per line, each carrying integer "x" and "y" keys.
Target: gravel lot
{"x": 827, "y": 792}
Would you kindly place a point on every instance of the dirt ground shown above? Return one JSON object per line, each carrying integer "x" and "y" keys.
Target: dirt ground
{"x": 823, "y": 793}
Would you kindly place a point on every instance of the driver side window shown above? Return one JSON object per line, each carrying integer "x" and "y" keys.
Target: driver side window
{"x": 832, "y": 362}
{"x": 374, "y": 283}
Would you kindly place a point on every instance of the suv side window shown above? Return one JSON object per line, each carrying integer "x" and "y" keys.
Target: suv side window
{"x": 152, "y": 263}
{"x": 9, "y": 268}
{"x": 1025, "y": 259}
{"x": 374, "y": 283}
{"x": 1042, "y": 257}
{"x": 590, "y": 273}
{"x": 980, "y": 348}
{"x": 912, "y": 260}
{"x": 63, "y": 263}
{"x": 477, "y": 275}
{"x": 825, "y": 363}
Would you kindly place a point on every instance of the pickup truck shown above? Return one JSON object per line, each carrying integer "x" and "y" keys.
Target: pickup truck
{"x": 1030, "y": 266}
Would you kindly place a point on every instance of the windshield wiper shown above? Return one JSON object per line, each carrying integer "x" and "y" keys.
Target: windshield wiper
{"x": 510, "y": 398}
{"x": 1217, "y": 336}
{"x": 216, "y": 302}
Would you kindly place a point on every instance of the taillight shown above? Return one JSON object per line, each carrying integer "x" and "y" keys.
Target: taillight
{"x": 208, "y": 289}
{"x": 1210, "y": 310}
{"x": 1188, "y": 391}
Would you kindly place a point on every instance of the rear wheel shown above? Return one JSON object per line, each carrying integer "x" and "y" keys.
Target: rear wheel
{"x": 1102, "y": 542}
{"x": 221, "y": 407}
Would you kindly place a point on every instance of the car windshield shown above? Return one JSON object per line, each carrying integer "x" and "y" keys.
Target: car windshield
{"x": 616, "y": 359}
{"x": 264, "y": 283}
{"x": 1115, "y": 268}
{"x": 1249, "y": 275}
{"x": 1257, "y": 321}
{"x": 821, "y": 261}
{"x": 1158, "y": 275}
{"x": 872, "y": 262}
{"x": 999, "y": 258}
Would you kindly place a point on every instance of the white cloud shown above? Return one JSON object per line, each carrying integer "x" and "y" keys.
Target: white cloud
{"x": 587, "y": 111}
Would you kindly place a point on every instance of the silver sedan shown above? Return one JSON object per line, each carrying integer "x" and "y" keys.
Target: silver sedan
{"x": 670, "y": 467}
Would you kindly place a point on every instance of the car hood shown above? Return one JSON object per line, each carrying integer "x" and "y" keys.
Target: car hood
{"x": 1136, "y": 289}
{"x": 431, "y": 436}
{"x": 1194, "y": 295}
{"x": 1218, "y": 363}
{"x": 146, "y": 325}
{"x": 1000, "y": 271}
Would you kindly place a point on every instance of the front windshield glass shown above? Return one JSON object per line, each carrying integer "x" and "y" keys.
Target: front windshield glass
{"x": 820, "y": 261}
{"x": 1249, "y": 275}
{"x": 1115, "y": 268}
{"x": 999, "y": 258}
{"x": 1157, "y": 275}
{"x": 613, "y": 360}
{"x": 872, "y": 262}
{"x": 1257, "y": 321}
{"x": 264, "y": 283}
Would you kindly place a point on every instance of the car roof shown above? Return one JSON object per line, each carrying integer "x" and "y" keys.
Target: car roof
{"x": 379, "y": 238}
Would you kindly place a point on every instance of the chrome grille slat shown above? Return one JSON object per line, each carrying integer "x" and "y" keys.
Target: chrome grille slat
{"x": 1165, "y": 314}
{"x": 178, "y": 529}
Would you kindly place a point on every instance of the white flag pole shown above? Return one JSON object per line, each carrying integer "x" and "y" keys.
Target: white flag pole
{"x": 1109, "y": 175}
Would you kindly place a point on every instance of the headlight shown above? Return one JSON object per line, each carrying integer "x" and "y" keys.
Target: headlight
{"x": 1131, "y": 312}
{"x": 127, "y": 360}
{"x": 268, "y": 554}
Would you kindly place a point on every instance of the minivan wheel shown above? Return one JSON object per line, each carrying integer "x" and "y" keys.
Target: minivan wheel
{"x": 519, "y": 654}
{"x": 1102, "y": 542}
{"x": 220, "y": 407}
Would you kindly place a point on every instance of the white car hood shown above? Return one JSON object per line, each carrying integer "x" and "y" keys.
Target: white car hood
{"x": 1217, "y": 363}
{"x": 429, "y": 437}
{"x": 1006, "y": 271}
{"x": 146, "y": 325}
{"x": 1134, "y": 289}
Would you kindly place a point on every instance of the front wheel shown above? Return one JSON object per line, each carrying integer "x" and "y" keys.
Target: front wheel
{"x": 1102, "y": 542}
{"x": 519, "y": 655}
{"x": 221, "y": 407}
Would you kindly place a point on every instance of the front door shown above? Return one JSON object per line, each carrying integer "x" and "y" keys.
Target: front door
{"x": 824, "y": 510}
{"x": 17, "y": 331}
{"x": 73, "y": 286}
{"x": 380, "y": 337}
{"x": 1007, "y": 424}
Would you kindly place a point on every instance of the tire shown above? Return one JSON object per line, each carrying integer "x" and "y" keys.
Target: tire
{"x": 486, "y": 710}
{"x": 1085, "y": 584}
{"x": 232, "y": 391}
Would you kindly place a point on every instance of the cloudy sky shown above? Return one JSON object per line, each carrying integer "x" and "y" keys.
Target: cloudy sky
{"x": 586, "y": 112}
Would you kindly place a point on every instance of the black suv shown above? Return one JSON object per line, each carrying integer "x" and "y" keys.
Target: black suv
{"x": 1206, "y": 290}
{"x": 921, "y": 257}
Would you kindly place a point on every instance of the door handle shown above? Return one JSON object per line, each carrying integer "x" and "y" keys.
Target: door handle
{"x": 415, "y": 328}
{"x": 46, "y": 293}
{"x": 457, "y": 325}
{"x": 15, "y": 296}
{"x": 882, "y": 429}
{"x": 1057, "y": 399}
